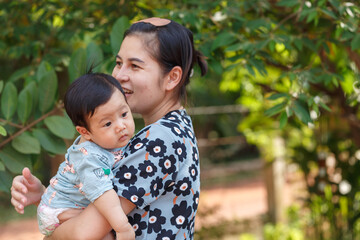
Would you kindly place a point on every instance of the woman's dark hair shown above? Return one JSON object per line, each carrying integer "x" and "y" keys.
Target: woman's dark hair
{"x": 88, "y": 92}
{"x": 172, "y": 46}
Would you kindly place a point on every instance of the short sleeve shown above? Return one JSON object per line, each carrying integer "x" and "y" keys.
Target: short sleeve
{"x": 94, "y": 173}
{"x": 149, "y": 166}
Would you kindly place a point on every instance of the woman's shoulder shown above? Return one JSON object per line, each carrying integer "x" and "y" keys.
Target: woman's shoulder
{"x": 173, "y": 125}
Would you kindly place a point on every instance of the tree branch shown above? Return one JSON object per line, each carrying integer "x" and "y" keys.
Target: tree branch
{"x": 11, "y": 124}
{"x": 57, "y": 108}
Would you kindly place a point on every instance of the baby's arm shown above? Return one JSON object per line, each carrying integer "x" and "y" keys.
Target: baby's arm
{"x": 108, "y": 204}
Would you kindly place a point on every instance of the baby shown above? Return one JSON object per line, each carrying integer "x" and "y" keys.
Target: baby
{"x": 97, "y": 106}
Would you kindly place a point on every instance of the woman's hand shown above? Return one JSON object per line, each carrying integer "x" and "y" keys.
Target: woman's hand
{"x": 26, "y": 190}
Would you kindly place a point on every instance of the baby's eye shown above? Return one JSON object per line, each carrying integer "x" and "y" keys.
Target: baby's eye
{"x": 107, "y": 124}
{"x": 124, "y": 114}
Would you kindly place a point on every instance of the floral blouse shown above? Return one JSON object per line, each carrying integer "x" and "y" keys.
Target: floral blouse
{"x": 160, "y": 174}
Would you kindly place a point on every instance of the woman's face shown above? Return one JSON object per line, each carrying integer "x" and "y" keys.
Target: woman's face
{"x": 140, "y": 76}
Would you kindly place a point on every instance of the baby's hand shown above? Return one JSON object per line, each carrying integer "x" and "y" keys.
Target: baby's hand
{"x": 127, "y": 233}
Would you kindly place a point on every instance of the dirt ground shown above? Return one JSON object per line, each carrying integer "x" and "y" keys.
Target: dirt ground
{"x": 242, "y": 200}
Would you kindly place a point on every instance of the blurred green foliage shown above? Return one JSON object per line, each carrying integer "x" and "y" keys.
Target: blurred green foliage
{"x": 293, "y": 64}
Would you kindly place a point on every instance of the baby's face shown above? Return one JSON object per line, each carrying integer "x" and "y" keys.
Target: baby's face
{"x": 112, "y": 125}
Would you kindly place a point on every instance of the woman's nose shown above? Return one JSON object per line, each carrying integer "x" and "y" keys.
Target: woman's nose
{"x": 121, "y": 75}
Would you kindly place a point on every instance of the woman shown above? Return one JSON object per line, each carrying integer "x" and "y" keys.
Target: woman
{"x": 158, "y": 181}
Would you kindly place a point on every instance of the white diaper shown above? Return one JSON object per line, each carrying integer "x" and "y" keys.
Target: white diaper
{"x": 48, "y": 218}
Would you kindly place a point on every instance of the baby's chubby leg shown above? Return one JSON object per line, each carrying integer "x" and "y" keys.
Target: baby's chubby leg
{"x": 89, "y": 224}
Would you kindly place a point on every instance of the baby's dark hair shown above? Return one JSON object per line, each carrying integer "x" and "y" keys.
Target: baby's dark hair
{"x": 87, "y": 93}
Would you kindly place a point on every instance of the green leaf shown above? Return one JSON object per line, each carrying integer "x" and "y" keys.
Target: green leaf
{"x": 26, "y": 144}
{"x": 323, "y": 105}
{"x": 24, "y": 105}
{"x": 301, "y": 111}
{"x": 50, "y": 142}
{"x": 95, "y": 56}
{"x": 276, "y": 109}
{"x": 329, "y": 13}
{"x": 1, "y": 85}
{"x": 309, "y": 44}
{"x": 335, "y": 3}
{"x": 355, "y": 43}
{"x": 259, "y": 65}
{"x": 45, "y": 69}
{"x": 15, "y": 161}
{"x": 47, "y": 92}
{"x": 223, "y": 39}
{"x": 312, "y": 15}
{"x": 287, "y": 3}
{"x": 33, "y": 90}
{"x": 3, "y": 131}
{"x": 283, "y": 120}
{"x": 47, "y": 80}
{"x": 77, "y": 65}
{"x": 61, "y": 126}
{"x": 250, "y": 69}
{"x": 2, "y": 166}
{"x": 9, "y": 100}
{"x": 216, "y": 66}
{"x": 21, "y": 73}
{"x": 278, "y": 95}
{"x": 117, "y": 33}
{"x": 5, "y": 180}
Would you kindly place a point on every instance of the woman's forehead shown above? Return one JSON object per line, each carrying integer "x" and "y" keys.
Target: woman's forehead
{"x": 134, "y": 47}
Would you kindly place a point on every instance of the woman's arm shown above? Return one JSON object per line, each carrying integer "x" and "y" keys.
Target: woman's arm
{"x": 26, "y": 190}
{"x": 75, "y": 228}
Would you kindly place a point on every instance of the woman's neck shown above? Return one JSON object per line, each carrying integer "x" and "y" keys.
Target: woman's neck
{"x": 161, "y": 112}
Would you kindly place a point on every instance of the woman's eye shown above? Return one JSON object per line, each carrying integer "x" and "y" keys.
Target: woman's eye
{"x": 124, "y": 114}
{"x": 118, "y": 63}
{"x": 134, "y": 66}
{"x": 107, "y": 124}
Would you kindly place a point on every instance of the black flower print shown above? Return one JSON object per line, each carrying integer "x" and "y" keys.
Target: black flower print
{"x": 195, "y": 155}
{"x": 166, "y": 235}
{"x": 145, "y": 129}
{"x": 156, "y": 148}
{"x": 155, "y": 221}
{"x": 175, "y": 128}
{"x": 137, "y": 144}
{"x": 183, "y": 187}
{"x": 156, "y": 185}
{"x": 172, "y": 116}
{"x": 126, "y": 175}
{"x": 190, "y": 134}
{"x": 191, "y": 228}
{"x": 137, "y": 224}
{"x": 181, "y": 214}
{"x": 115, "y": 188}
{"x": 180, "y": 150}
{"x": 193, "y": 172}
{"x": 147, "y": 169}
{"x": 169, "y": 186}
{"x": 196, "y": 201}
{"x": 167, "y": 164}
{"x": 135, "y": 195}
{"x": 185, "y": 120}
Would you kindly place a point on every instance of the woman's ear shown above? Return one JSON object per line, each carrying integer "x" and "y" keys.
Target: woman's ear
{"x": 83, "y": 132}
{"x": 173, "y": 78}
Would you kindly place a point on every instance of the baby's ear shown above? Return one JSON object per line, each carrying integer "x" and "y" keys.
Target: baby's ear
{"x": 83, "y": 132}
